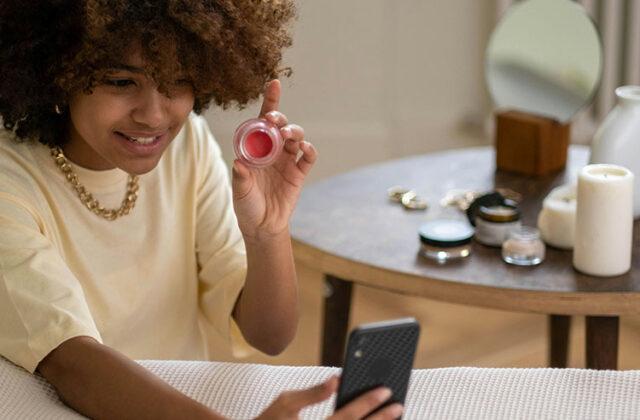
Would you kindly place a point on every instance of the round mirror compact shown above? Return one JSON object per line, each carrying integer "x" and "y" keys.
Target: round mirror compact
{"x": 544, "y": 58}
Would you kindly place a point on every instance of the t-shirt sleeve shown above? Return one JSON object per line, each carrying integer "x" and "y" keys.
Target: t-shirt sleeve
{"x": 41, "y": 302}
{"x": 219, "y": 245}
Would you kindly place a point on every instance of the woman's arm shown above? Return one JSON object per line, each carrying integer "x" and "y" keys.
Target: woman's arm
{"x": 263, "y": 200}
{"x": 101, "y": 383}
{"x": 267, "y": 309}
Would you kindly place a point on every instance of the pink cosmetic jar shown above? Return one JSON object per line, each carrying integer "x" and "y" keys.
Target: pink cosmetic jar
{"x": 258, "y": 143}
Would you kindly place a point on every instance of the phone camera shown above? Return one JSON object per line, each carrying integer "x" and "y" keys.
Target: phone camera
{"x": 357, "y": 354}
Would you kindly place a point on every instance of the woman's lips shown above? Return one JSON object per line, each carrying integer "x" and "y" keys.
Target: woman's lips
{"x": 141, "y": 144}
{"x": 140, "y": 138}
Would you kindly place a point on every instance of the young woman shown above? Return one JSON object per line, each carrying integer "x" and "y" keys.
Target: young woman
{"x": 100, "y": 101}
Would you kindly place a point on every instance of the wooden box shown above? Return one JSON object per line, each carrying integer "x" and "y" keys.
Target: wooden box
{"x": 530, "y": 144}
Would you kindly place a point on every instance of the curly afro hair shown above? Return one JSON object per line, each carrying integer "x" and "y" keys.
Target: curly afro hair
{"x": 50, "y": 49}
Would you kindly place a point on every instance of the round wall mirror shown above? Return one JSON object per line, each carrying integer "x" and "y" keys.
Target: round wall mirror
{"x": 545, "y": 58}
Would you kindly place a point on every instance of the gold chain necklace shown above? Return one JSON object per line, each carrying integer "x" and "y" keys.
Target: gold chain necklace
{"x": 87, "y": 199}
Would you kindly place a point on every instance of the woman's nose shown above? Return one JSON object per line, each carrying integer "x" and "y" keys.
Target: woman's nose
{"x": 151, "y": 108}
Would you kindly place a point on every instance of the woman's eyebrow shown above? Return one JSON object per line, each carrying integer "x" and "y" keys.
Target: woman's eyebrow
{"x": 127, "y": 67}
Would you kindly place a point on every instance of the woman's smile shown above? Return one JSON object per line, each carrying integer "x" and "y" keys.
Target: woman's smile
{"x": 143, "y": 145}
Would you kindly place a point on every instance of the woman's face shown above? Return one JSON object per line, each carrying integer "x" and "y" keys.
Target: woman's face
{"x": 126, "y": 122}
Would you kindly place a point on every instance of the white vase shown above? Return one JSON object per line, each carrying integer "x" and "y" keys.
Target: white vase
{"x": 617, "y": 140}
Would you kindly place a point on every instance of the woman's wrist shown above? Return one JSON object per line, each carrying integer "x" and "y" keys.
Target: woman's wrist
{"x": 267, "y": 239}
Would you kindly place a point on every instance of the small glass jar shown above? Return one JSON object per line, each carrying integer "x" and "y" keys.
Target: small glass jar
{"x": 258, "y": 142}
{"x": 493, "y": 223}
{"x": 444, "y": 240}
{"x": 524, "y": 247}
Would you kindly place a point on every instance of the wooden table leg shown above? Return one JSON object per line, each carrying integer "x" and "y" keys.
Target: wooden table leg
{"x": 559, "y": 328}
{"x": 337, "y": 305}
{"x": 602, "y": 342}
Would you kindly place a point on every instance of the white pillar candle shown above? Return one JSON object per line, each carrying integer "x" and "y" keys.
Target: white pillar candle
{"x": 557, "y": 220}
{"x": 604, "y": 220}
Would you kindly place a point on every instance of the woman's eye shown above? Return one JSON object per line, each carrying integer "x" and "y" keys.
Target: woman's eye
{"x": 121, "y": 83}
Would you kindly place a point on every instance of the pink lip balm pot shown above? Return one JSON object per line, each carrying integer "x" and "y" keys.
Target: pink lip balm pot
{"x": 257, "y": 143}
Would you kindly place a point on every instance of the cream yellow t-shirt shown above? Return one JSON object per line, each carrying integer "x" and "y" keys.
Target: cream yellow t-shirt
{"x": 155, "y": 284}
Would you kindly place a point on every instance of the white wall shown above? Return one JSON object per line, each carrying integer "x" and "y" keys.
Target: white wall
{"x": 380, "y": 79}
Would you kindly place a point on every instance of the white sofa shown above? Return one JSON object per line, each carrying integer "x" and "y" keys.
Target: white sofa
{"x": 242, "y": 391}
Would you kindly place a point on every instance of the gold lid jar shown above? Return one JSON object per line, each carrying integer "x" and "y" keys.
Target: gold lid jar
{"x": 495, "y": 222}
{"x": 503, "y": 213}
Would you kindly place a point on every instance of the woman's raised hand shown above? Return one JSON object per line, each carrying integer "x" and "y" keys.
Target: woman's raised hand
{"x": 264, "y": 198}
{"x": 289, "y": 404}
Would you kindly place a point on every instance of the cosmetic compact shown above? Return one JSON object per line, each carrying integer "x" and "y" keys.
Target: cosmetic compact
{"x": 258, "y": 143}
{"x": 494, "y": 217}
{"x": 524, "y": 247}
{"x": 444, "y": 239}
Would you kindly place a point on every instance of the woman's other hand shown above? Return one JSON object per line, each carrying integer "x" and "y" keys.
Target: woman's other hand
{"x": 289, "y": 404}
{"x": 264, "y": 198}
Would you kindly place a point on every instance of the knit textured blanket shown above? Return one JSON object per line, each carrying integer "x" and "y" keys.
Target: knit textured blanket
{"x": 242, "y": 391}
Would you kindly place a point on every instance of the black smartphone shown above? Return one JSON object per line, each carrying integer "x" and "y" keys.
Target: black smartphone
{"x": 379, "y": 354}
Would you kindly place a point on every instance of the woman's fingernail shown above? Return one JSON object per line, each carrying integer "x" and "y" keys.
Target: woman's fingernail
{"x": 384, "y": 394}
{"x": 287, "y": 132}
{"x": 396, "y": 410}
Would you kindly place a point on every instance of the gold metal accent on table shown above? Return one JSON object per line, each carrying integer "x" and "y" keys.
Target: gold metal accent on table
{"x": 462, "y": 198}
{"x": 408, "y": 198}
